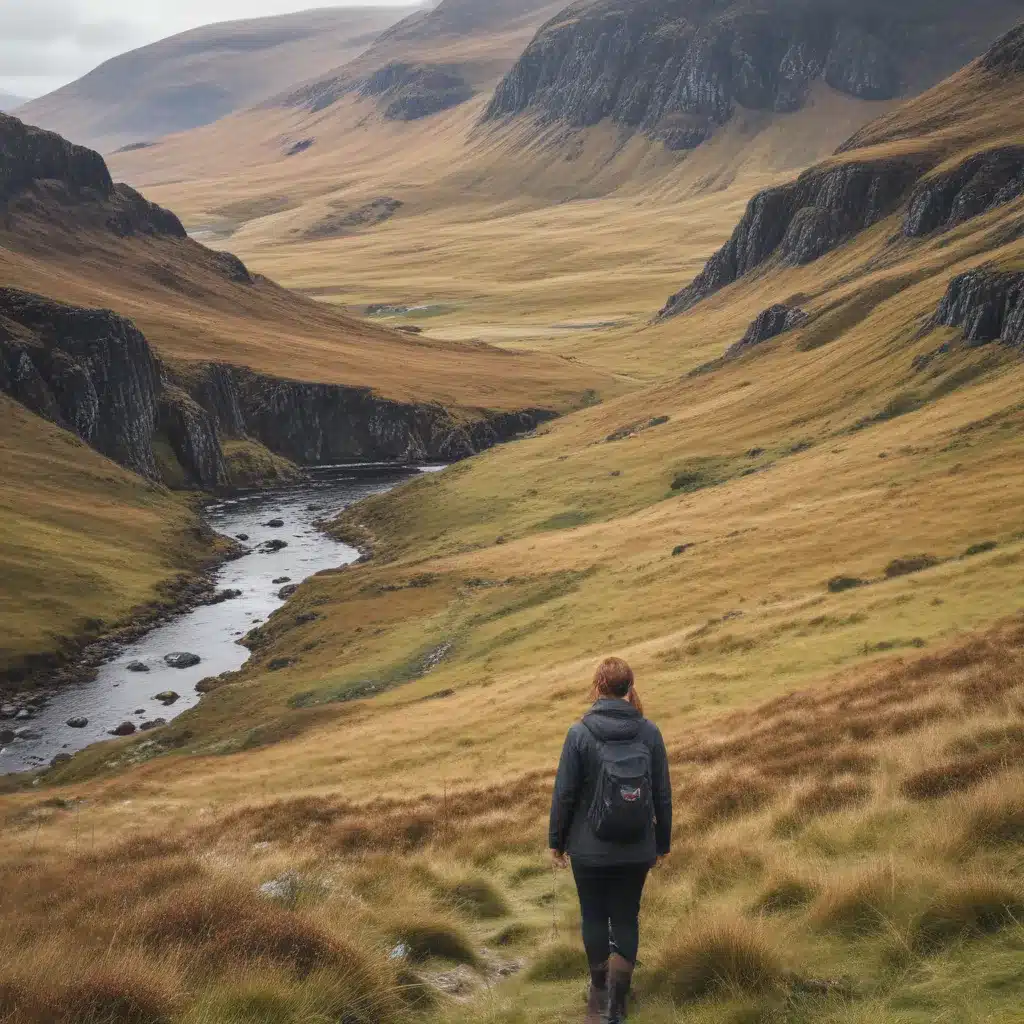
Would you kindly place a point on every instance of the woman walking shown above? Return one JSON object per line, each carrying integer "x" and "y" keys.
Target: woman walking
{"x": 611, "y": 816}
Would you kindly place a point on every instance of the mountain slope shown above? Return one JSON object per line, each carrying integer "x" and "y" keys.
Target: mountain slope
{"x": 432, "y": 60}
{"x": 810, "y": 553}
{"x": 211, "y": 353}
{"x": 9, "y": 102}
{"x": 679, "y": 69}
{"x": 199, "y": 76}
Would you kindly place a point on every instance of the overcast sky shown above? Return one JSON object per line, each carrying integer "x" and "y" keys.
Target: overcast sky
{"x": 46, "y": 43}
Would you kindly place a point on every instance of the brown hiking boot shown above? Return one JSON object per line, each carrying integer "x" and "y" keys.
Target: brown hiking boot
{"x": 597, "y": 997}
{"x": 620, "y": 976}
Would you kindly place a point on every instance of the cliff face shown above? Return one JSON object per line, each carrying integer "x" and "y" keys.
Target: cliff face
{"x": 43, "y": 173}
{"x": 93, "y": 373}
{"x": 87, "y": 370}
{"x": 980, "y": 184}
{"x": 987, "y": 305}
{"x": 799, "y": 222}
{"x": 677, "y": 69}
{"x": 319, "y": 424}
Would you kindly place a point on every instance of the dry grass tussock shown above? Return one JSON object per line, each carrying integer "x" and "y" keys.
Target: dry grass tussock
{"x": 863, "y": 880}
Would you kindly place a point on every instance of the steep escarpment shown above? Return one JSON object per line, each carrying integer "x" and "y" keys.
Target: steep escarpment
{"x": 93, "y": 373}
{"x": 677, "y": 69}
{"x": 87, "y": 370}
{"x": 799, "y": 222}
{"x": 951, "y": 156}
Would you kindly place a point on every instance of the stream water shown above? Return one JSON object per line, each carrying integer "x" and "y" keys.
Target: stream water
{"x": 212, "y": 632}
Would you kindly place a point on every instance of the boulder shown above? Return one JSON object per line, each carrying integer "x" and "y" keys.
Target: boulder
{"x": 137, "y": 666}
{"x": 154, "y": 724}
{"x": 8, "y": 711}
{"x": 182, "y": 659}
{"x": 274, "y": 524}
{"x": 26, "y": 733}
{"x": 243, "y": 536}
{"x": 140, "y": 711}
{"x": 224, "y": 595}
{"x": 23, "y": 715}
{"x": 59, "y": 760}
{"x": 168, "y": 697}
{"x": 282, "y": 579}
{"x": 285, "y": 592}
{"x": 79, "y": 722}
{"x": 124, "y": 729}
{"x": 6, "y": 735}
{"x": 284, "y": 889}
{"x": 270, "y": 547}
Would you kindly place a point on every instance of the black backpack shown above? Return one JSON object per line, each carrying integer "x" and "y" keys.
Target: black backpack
{"x": 623, "y": 806}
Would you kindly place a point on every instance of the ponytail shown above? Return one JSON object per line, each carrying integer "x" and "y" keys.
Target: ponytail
{"x": 614, "y": 679}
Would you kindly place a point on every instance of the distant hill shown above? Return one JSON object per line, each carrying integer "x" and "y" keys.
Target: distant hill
{"x": 9, "y": 102}
{"x": 197, "y": 77}
{"x": 433, "y": 59}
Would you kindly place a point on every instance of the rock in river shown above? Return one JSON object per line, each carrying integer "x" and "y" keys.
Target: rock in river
{"x": 274, "y": 524}
{"x": 182, "y": 659}
{"x": 78, "y": 723}
{"x": 27, "y": 734}
{"x": 243, "y": 536}
{"x": 137, "y": 666}
{"x": 272, "y": 546}
{"x": 6, "y": 735}
{"x": 168, "y": 697}
{"x": 23, "y": 715}
{"x": 124, "y": 729}
{"x": 8, "y": 711}
{"x": 60, "y": 759}
{"x": 155, "y": 724}
{"x": 285, "y": 592}
{"x": 282, "y": 579}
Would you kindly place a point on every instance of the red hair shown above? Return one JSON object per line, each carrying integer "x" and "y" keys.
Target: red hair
{"x": 614, "y": 678}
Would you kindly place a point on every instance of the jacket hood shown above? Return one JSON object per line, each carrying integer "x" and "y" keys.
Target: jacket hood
{"x": 613, "y": 719}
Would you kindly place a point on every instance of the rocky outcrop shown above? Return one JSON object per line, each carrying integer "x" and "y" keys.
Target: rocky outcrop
{"x": 770, "y": 323}
{"x": 318, "y": 424}
{"x": 413, "y": 91}
{"x": 988, "y": 305}
{"x": 677, "y": 69}
{"x": 799, "y": 222}
{"x": 1007, "y": 56}
{"x": 93, "y": 373}
{"x": 41, "y": 172}
{"x": 408, "y": 91}
{"x": 981, "y": 183}
{"x": 88, "y": 370}
{"x": 193, "y": 437}
{"x": 347, "y": 221}
{"x": 30, "y": 154}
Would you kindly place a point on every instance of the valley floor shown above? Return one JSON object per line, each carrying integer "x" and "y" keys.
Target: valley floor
{"x": 810, "y": 553}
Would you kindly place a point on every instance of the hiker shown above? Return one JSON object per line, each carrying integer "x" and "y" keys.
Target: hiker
{"x": 611, "y": 816}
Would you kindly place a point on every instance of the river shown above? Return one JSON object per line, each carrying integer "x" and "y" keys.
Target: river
{"x": 118, "y": 695}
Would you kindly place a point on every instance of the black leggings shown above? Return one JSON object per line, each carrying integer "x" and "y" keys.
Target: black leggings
{"x": 610, "y": 905}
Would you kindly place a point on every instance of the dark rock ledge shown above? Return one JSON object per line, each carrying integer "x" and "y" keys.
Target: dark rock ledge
{"x": 988, "y": 305}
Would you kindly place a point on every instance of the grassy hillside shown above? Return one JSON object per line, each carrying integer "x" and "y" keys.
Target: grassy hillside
{"x": 199, "y": 76}
{"x": 83, "y": 543}
{"x": 811, "y": 555}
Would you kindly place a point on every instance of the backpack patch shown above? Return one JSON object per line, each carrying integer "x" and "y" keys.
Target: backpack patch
{"x": 622, "y": 810}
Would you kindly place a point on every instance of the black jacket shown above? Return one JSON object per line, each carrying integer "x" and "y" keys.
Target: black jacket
{"x": 578, "y": 770}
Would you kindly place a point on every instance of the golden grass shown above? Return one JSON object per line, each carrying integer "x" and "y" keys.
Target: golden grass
{"x": 850, "y": 806}
{"x": 82, "y": 541}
